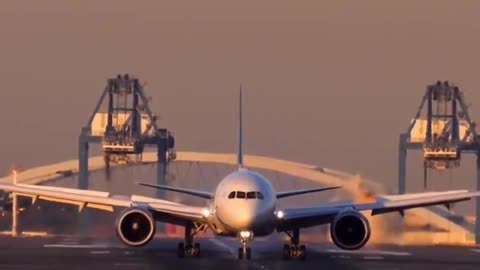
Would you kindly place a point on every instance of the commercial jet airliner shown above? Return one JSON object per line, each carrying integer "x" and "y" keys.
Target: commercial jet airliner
{"x": 243, "y": 206}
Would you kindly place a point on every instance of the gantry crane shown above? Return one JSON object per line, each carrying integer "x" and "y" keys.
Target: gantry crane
{"x": 444, "y": 132}
{"x": 124, "y": 130}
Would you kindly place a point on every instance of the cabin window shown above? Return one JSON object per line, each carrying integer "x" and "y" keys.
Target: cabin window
{"x": 259, "y": 195}
{"x": 240, "y": 195}
{"x": 231, "y": 195}
{"x": 251, "y": 195}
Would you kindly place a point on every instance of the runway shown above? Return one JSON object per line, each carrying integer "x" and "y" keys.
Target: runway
{"x": 219, "y": 253}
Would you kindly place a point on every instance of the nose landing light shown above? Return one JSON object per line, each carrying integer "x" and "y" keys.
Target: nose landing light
{"x": 246, "y": 234}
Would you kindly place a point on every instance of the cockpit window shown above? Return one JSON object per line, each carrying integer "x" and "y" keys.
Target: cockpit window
{"x": 247, "y": 195}
{"x": 240, "y": 195}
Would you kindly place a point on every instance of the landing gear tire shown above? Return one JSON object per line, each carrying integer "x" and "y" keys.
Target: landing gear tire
{"x": 286, "y": 252}
{"x": 181, "y": 250}
{"x": 244, "y": 253}
{"x": 188, "y": 249}
{"x": 240, "y": 253}
{"x": 294, "y": 252}
{"x": 196, "y": 250}
{"x": 302, "y": 252}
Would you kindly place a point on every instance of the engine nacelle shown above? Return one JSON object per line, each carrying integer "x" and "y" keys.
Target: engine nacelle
{"x": 135, "y": 227}
{"x": 350, "y": 230}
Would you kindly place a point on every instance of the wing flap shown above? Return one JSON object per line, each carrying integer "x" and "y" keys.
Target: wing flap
{"x": 107, "y": 208}
{"x": 69, "y": 190}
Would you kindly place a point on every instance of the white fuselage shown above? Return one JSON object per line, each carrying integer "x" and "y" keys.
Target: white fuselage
{"x": 244, "y": 201}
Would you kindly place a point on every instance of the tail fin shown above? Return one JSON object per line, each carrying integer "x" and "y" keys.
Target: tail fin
{"x": 240, "y": 132}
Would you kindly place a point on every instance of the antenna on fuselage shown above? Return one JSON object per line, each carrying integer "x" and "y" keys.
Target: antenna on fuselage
{"x": 240, "y": 132}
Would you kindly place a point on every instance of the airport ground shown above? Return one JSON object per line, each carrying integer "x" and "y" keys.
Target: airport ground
{"x": 65, "y": 252}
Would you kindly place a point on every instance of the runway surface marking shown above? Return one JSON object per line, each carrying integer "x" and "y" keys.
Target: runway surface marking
{"x": 259, "y": 266}
{"x": 233, "y": 252}
{"x": 223, "y": 246}
{"x": 341, "y": 256}
{"x": 130, "y": 264}
{"x": 99, "y": 252}
{"x": 367, "y": 252}
{"x": 373, "y": 257}
{"x": 78, "y": 246}
{"x": 70, "y": 241}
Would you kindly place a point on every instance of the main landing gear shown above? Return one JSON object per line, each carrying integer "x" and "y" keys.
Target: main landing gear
{"x": 187, "y": 247}
{"x": 294, "y": 250}
{"x": 189, "y": 250}
{"x": 245, "y": 252}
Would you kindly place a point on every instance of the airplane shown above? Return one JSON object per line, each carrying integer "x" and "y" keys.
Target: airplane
{"x": 243, "y": 206}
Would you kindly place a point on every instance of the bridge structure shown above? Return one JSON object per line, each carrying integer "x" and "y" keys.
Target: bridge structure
{"x": 460, "y": 230}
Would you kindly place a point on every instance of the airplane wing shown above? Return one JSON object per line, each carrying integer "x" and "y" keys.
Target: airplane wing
{"x": 302, "y": 191}
{"x": 318, "y": 215}
{"x": 201, "y": 194}
{"x": 168, "y": 211}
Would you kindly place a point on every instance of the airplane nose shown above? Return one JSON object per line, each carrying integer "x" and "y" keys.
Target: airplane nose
{"x": 245, "y": 220}
{"x": 244, "y": 217}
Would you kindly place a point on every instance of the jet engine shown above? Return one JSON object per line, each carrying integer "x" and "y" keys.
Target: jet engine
{"x": 350, "y": 230}
{"x": 135, "y": 226}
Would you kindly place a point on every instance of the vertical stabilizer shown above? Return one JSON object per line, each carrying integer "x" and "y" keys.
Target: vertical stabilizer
{"x": 240, "y": 132}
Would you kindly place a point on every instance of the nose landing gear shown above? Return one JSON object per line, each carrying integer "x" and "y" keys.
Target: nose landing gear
{"x": 294, "y": 250}
{"x": 245, "y": 251}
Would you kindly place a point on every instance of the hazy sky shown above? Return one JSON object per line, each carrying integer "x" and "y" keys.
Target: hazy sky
{"x": 327, "y": 82}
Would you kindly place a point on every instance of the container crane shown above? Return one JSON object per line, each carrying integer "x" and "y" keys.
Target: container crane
{"x": 124, "y": 131}
{"x": 444, "y": 132}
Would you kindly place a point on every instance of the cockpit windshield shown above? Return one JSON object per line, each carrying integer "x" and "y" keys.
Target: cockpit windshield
{"x": 246, "y": 195}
